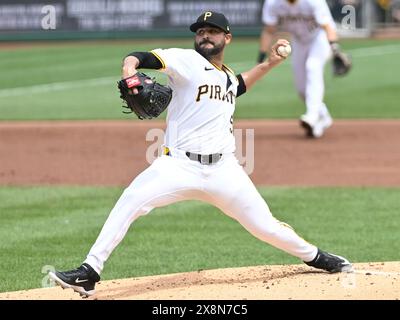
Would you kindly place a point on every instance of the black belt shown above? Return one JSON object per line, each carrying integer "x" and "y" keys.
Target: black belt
{"x": 204, "y": 158}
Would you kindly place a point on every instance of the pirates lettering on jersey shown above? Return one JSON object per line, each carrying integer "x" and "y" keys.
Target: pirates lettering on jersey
{"x": 214, "y": 92}
{"x": 297, "y": 18}
{"x": 310, "y": 22}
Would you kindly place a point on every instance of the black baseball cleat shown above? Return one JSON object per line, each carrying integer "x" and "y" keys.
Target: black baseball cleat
{"x": 81, "y": 280}
{"x": 330, "y": 262}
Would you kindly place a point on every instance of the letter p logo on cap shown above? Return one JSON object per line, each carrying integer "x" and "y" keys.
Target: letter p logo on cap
{"x": 207, "y": 15}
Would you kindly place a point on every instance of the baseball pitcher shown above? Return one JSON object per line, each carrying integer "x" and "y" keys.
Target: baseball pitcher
{"x": 198, "y": 160}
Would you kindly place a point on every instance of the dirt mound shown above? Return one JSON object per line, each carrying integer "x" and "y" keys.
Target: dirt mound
{"x": 379, "y": 280}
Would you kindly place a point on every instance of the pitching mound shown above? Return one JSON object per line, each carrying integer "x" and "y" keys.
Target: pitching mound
{"x": 379, "y": 280}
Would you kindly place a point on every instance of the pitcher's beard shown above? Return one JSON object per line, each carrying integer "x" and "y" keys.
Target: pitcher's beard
{"x": 209, "y": 52}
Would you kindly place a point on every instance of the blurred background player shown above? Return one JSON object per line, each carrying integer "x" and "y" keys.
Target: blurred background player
{"x": 314, "y": 38}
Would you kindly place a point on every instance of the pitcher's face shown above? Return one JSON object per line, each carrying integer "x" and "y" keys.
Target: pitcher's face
{"x": 210, "y": 41}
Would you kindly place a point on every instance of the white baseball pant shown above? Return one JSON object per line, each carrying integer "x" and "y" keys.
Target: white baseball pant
{"x": 176, "y": 178}
{"x": 308, "y": 62}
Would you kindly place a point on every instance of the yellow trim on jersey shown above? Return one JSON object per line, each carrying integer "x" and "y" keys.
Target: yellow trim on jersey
{"x": 159, "y": 58}
{"x": 216, "y": 66}
{"x": 224, "y": 66}
{"x": 229, "y": 69}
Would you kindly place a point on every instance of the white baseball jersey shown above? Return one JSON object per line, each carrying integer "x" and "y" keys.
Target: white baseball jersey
{"x": 303, "y": 19}
{"x": 200, "y": 114}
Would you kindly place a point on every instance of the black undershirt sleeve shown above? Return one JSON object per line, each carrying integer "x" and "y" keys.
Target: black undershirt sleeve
{"x": 147, "y": 60}
{"x": 241, "y": 88}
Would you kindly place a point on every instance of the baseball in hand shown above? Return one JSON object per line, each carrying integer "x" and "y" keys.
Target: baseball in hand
{"x": 284, "y": 51}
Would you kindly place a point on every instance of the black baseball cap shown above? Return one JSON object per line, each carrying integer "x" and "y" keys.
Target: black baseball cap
{"x": 211, "y": 18}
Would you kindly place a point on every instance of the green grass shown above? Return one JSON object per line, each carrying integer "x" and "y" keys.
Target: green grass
{"x": 369, "y": 91}
{"x": 56, "y": 226}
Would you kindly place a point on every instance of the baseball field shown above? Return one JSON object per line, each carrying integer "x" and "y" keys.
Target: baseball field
{"x": 67, "y": 152}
